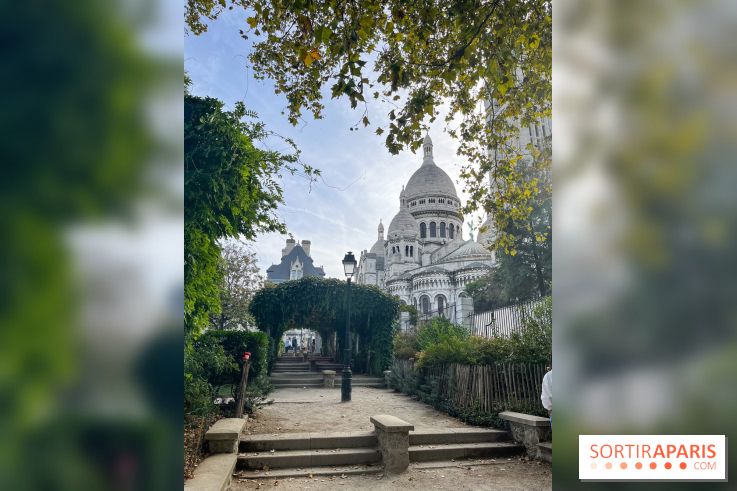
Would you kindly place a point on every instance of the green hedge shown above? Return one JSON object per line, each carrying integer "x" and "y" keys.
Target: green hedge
{"x": 215, "y": 361}
{"x": 234, "y": 343}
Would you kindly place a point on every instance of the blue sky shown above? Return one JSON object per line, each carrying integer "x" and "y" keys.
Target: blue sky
{"x": 362, "y": 180}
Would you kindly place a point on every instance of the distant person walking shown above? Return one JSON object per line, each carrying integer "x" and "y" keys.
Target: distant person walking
{"x": 547, "y": 394}
{"x": 294, "y": 344}
{"x": 313, "y": 345}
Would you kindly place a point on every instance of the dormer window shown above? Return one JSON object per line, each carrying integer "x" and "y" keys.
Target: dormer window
{"x": 296, "y": 272}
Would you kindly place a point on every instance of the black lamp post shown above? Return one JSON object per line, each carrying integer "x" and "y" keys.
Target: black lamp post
{"x": 349, "y": 266}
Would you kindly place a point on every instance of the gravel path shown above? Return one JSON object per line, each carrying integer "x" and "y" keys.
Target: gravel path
{"x": 506, "y": 475}
{"x": 318, "y": 410}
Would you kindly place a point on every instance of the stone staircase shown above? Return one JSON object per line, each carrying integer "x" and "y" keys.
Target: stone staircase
{"x": 460, "y": 443}
{"x": 304, "y": 454}
{"x": 325, "y": 454}
{"x": 298, "y": 380}
{"x": 289, "y": 364}
{"x": 294, "y": 372}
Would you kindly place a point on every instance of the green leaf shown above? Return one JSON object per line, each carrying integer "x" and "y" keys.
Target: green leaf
{"x": 252, "y": 21}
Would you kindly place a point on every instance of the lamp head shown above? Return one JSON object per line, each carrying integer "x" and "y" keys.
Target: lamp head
{"x": 349, "y": 264}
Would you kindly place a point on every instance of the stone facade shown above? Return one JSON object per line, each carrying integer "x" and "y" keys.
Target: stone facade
{"x": 424, "y": 259}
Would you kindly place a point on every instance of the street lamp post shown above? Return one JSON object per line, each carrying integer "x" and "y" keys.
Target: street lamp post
{"x": 349, "y": 266}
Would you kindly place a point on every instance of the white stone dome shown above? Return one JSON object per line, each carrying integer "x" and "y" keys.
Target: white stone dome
{"x": 470, "y": 249}
{"x": 429, "y": 179}
{"x": 378, "y": 247}
{"x": 402, "y": 224}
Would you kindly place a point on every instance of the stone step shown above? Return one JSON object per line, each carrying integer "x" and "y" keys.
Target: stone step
{"x": 426, "y": 453}
{"x": 312, "y": 376}
{"x": 545, "y": 450}
{"x": 296, "y": 375}
{"x": 298, "y": 385}
{"x": 308, "y": 458}
{"x": 456, "y": 435}
{"x": 307, "y": 441}
{"x": 315, "y": 472}
{"x": 289, "y": 369}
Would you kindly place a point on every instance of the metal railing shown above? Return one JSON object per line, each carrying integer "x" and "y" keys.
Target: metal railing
{"x": 503, "y": 321}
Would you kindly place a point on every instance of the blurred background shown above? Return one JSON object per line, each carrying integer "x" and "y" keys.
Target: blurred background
{"x": 91, "y": 250}
{"x": 645, "y": 215}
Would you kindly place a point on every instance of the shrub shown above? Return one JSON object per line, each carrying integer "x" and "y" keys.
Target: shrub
{"x": 439, "y": 330}
{"x": 203, "y": 364}
{"x": 215, "y": 360}
{"x": 534, "y": 343}
{"x": 234, "y": 343}
{"x": 447, "y": 350}
{"x": 405, "y": 345}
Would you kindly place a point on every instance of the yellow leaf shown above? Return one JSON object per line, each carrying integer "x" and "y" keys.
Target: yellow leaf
{"x": 311, "y": 56}
{"x": 252, "y": 21}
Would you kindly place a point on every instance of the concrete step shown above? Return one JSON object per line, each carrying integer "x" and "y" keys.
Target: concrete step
{"x": 426, "y": 453}
{"x": 546, "y": 451}
{"x": 299, "y": 385}
{"x": 307, "y": 441}
{"x": 313, "y": 377}
{"x": 308, "y": 458}
{"x": 296, "y": 374}
{"x": 340, "y": 470}
{"x": 296, "y": 384}
{"x": 457, "y": 435}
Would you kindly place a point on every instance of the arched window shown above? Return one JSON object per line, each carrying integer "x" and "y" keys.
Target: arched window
{"x": 425, "y": 305}
{"x": 433, "y": 229}
{"x": 442, "y": 229}
{"x": 411, "y": 251}
{"x": 441, "y": 305}
{"x": 414, "y": 301}
{"x": 450, "y": 231}
{"x": 406, "y": 251}
{"x": 423, "y": 230}
{"x": 458, "y": 230}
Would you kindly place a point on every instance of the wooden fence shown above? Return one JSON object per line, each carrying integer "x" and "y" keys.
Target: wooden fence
{"x": 482, "y": 388}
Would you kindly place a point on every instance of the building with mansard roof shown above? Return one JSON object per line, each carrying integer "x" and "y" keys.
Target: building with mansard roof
{"x": 295, "y": 263}
{"x": 424, "y": 259}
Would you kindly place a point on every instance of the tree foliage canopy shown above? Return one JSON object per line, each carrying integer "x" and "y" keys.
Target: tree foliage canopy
{"x": 488, "y": 61}
{"x": 240, "y": 281}
{"x": 321, "y": 305}
{"x": 231, "y": 189}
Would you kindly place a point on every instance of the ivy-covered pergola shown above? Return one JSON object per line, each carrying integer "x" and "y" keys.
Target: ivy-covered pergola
{"x": 321, "y": 305}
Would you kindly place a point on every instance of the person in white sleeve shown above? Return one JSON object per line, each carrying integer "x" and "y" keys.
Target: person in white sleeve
{"x": 547, "y": 394}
